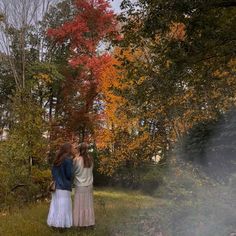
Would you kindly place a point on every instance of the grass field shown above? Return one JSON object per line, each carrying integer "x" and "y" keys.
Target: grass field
{"x": 116, "y": 214}
{"x": 208, "y": 211}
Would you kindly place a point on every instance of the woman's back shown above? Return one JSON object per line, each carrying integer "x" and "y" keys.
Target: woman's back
{"x": 83, "y": 176}
{"x": 62, "y": 174}
{"x": 60, "y": 211}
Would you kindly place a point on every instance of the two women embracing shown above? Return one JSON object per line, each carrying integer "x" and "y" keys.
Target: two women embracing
{"x": 68, "y": 170}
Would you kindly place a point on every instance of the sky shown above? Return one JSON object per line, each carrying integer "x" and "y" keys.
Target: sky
{"x": 116, "y": 5}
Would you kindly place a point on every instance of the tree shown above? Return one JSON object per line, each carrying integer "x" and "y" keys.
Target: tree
{"x": 30, "y": 79}
{"x": 92, "y": 24}
{"x": 19, "y": 18}
{"x": 189, "y": 61}
{"x": 126, "y": 139}
{"x": 23, "y": 154}
{"x": 45, "y": 64}
{"x": 210, "y": 146}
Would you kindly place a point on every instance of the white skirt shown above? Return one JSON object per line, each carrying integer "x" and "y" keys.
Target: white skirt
{"x": 60, "y": 212}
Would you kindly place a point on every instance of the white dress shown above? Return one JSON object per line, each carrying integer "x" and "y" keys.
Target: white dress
{"x": 60, "y": 212}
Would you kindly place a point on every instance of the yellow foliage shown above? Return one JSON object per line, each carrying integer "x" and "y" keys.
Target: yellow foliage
{"x": 43, "y": 77}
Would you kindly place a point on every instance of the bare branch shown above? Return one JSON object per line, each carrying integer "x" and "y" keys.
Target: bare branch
{"x": 20, "y": 15}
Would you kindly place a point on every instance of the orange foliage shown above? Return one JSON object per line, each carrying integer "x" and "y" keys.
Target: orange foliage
{"x": 177, "y": 31}
{"x": 113, "y": 77}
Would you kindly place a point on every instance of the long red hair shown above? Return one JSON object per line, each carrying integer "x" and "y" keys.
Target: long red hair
{"x": 64, "y": 151}
{"x": 83, "y": 151}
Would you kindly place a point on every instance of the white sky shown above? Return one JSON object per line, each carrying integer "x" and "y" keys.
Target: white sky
{"x": 116, "y": 5}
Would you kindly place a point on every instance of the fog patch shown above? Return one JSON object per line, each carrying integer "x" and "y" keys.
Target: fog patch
{"x": 197, "y": 196}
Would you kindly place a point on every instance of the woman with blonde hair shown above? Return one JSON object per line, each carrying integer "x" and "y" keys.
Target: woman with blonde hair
{"x": 60, "y": 212}
{"x": 83, "y": 212}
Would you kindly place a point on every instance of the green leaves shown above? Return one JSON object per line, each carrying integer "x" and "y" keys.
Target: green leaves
{"x": 24, "y": 151}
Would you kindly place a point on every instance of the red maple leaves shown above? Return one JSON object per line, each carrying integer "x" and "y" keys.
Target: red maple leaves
{"x": 93, "y": 24}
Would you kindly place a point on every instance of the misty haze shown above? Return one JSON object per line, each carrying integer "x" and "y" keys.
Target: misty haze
{"x": 117, "y": 118}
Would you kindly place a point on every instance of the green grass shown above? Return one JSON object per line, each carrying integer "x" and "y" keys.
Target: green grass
{"x": 175, "y": 211}
{"x": 114, "y": 209}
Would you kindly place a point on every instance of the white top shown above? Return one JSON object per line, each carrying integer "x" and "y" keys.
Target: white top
{"x": 82, "y": 176}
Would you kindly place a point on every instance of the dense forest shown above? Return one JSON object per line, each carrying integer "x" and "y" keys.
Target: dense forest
{"x": 148, "y": 87}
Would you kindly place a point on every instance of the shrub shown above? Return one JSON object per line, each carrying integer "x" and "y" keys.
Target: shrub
{"x": 23, "y": 155}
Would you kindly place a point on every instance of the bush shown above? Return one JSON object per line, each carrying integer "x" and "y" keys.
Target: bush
{"x": 23, "y": 164}
{"x": 152, "y": 178}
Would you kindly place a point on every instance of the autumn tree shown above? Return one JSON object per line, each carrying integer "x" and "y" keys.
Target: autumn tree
{"x": 154, "y": 97}
{"x": 126, "y": 146}
{"x": 92, "y": 25}
{"x": 183, "y": 78}
{"x": 190, "y": 60}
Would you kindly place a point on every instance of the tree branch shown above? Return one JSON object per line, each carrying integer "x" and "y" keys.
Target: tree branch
{"x": 18, "y": 186}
